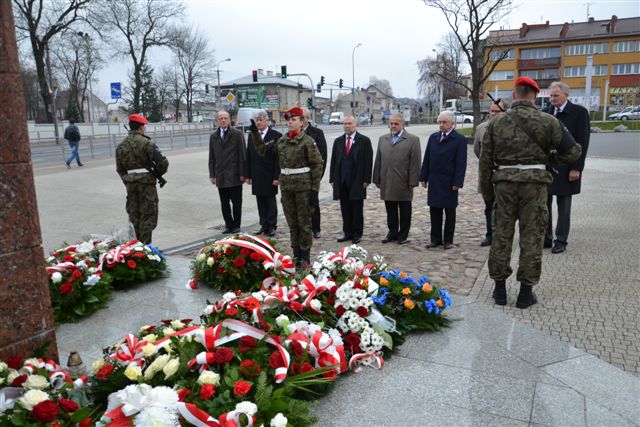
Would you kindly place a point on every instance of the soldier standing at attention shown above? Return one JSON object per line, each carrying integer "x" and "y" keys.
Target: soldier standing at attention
{"x": 513, "y": 167}
{"x": 136, "y": 157}
{"x": 301, "y": 168}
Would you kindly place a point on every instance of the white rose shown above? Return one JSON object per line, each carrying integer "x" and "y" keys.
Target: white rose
{"x": 279, "y": 420}
{"x": 13, "y": 374}
{"x": 229, "y": 296}
{"x": 177, "y": 325}
{"x": 210, "y": 261}
{"x": 144, "y": 328}
{"x": 167, "y": 331}
{"x": 36, "y": 382}
{"x": 246, "y": 407}
{"x": 56, "y": 277}
{"x": 32, "y": 398}
{"x": 316, "y": 304}
{"x": 171, "y": 368}
{"x": 209, "y": 377}
{"x": 132, "y": 372}
{"x": 3, "y": 367}
{"x": 95, "y": 366}
{"x": 149, "y": 350}
{"x": 151, "y": 338}
{"x": 156, "y": 366}
{"x": 201, "y": 257}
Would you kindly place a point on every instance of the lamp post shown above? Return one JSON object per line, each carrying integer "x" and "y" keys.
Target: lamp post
{"x": 353, "y": 79}
{"x": 87, "y": 40}
{"x": 218, "y": 87}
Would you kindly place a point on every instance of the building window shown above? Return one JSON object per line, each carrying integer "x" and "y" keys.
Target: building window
{"x": 618, "y": 69}
{"x": 549, "y": 73}
{"x": 586, "y": 49}
{"x": 501, "y": 75}
{"x": 497, "y": 54}
{"x": 540, "y": 53}
{"x": 627, "y": 46}
{"x": 581, "y": 71}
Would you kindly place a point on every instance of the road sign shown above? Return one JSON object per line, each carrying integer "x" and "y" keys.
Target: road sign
{"x": 230, "y": 97}
{"x": 368, "y": 99}
{"x": 116, "y": 90}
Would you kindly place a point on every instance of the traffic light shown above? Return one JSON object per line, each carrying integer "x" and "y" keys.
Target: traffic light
{"x": 283, "y": 71}
{"x": 321, "y": 80}
{"x": 206, "y": 88}
{"x": 340, "y": 83}
{"x": 318, "y": 87}
{"x": 309, "y": 103}
{"x": 254, "y": 73}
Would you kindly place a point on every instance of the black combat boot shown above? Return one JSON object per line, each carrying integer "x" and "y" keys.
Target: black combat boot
{"x": 296, "y": 254}
{"x": 500, "y": 292}
{"x": 305, "y": 257}
{"x": 526, "y": 297}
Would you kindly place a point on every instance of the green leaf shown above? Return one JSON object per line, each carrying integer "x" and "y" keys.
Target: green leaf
{"x": 79, "y": 310}
{"x": 81, "y": 414}
{"x": 91, "y": 299}
{"x": 388, "y": 341}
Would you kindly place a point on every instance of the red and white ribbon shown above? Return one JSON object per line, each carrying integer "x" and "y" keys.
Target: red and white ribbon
{"x": 61, "y": 267}
{"x": 282, "y": 294}
{"x": 199, "y": 418}
{"x": 342, "y": 256}
{"x": 359, "y": 360}
{"x": 119, "y": 253}
{"x": 321, "y": 346}
{"x": 130, "y": 352}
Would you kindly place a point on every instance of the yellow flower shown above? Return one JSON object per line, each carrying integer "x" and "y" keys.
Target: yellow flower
{"x": 409, "y": 304}
{"x": 171, "y": 368}
{"x": 384, "y": 282}
{"x": 403, "y": 275}
{"x": 439, "y": 303}
{"x": 427, "y": 288}
{"x": 201, "y": 257}
{"x": 149, "y": 350}
{"x": 150, "y": 338}
{"x": 210, "y": 261}
{"x": 132, "y": 372}
{"x": 406, "y": 291}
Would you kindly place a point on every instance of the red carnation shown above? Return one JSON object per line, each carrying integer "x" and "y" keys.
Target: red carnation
{"x": 77, "y": 274}
{"x": 306, "y": 368}
{"x": 296, "y": 306}
{"x": 276, "y": 361}
{"x": 68, "y": 405}
{"x": 333, "y": 291}
{"x": 220, "y": 269}
{"x": 66, "y": 289}
{"x": 228, "y": 251}
{"x": 250, "y": 304}
{"x": 223, "y": 356}
{"x": 71, "y": 249}
{"x": 139, "y": 254}
{"x": 247, "y": 343}
{"x": 216, "y": 255}
{"x": 19, "y": 380}
{"x": 239, "y": 262}
{"x": 340, "y": 310}
{"x": 45, "y": 411}
{"x": 104, "y": 372}
{"x": 362, "y": 311}
{"x": 295, "y": 368}
{"x": 331, "y": 300}
{"x": 131, "y": 264}
{"x": 207, "y": 391}
{"x": 255, "y": 256}
{"x": 68, "y": 258}
{"x": 245, "y": 252}
{"x": 231, "y": 312}
{"x": 15, "y": 362}
{"x": 297, "y": 348}
{"x": 240, "y": 388}
{"x": 183, "y": 393}
{"x": 249, "y": 369}
{"x": 56, "y": 424}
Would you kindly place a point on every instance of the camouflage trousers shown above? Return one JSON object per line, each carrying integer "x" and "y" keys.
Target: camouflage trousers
{"x": 525, "y": 202}
{"x": 142, "y": 207}
{"x": 298, "y": 211}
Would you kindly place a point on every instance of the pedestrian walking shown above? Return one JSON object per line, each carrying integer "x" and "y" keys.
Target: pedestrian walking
{"x": 567, "y": 181}
{"x": 300, "y": 173}
{"x": 72, "y": 135}
{"x": 396, "y": 173}
{"x": 443, "y": 170}
{"x": 514, "y": 164}
{"x": 321, "y": 143}
{"x": 350, "y": 175}
{"x": 263, "y": 174}
{"x": 227, "y": 166}
{"x": 140, "y": 163}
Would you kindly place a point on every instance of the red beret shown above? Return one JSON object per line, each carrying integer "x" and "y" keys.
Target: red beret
{"x": 528, "y": 81}
{"x": 294, "y": 112}
{"x": 137, "y": 118}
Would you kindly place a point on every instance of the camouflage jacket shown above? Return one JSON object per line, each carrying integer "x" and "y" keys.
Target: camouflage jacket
{"x": 299, "y": 152}
{"x": 137, "y": 151}
{"x": 505, "y": 143}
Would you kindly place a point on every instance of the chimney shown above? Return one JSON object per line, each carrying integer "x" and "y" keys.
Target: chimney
{"x": 614, "y": 21}
{"x": 564, "y": 30}
{"x": 591, "y": 19}
{"x": 269, "y": 73}
{"x": 524, "y": 30}
{"x": 260, "y": 72}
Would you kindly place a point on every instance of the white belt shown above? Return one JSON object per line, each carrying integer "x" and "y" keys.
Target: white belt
{"x": 522, "y": 167}
{"x": 295, "y": 171}
{"x": 139, "y": 170}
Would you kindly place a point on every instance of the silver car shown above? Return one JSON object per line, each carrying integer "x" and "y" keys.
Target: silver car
{"x": 629, "y": 113}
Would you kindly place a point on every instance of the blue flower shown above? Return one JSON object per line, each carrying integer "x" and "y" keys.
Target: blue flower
{"x": 155, "y": 251}
{"x": 423, "y": 280}
{"x": 446, "y": 298}
{"x": 385, "y": 274}
{"x": 432, "y": 307}
{"x": 381, "y": 299}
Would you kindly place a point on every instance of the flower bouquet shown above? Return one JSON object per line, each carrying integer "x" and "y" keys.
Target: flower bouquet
{"x": 133, "y": 262}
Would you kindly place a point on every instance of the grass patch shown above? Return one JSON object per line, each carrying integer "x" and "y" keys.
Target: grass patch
{"x": 466, "y": 131}
{"x": 610, "y": 124}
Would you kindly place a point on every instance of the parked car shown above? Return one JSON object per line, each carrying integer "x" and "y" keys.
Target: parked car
{"x": 629, "y": 113}
{"x": 463, "y": 118}
{"x": 336, "y": 118}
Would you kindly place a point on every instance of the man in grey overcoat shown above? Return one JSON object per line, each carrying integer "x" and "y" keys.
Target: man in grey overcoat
{"x": 396, "y": 173}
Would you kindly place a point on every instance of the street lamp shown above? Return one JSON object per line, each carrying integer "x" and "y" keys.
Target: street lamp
{"x": 353, "y": 77}
{"x": 440, "y": 87}
{"x": 218, "y": 74}
{"x": 87, "y": 39}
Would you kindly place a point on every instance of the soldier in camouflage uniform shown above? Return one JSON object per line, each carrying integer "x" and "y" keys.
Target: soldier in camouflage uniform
{"x": 136, "y": 155}
{"x": 300, "y": 172}
{"x": 514, "y": 161}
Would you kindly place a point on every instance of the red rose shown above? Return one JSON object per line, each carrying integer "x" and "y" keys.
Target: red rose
{"x": 249, "y": 369}
{"x": 295, "y": 368}
{"x": 306, "y": 368}
{"x": 340, "y": 310}
{"x": 68, "y": 258}
{"x": 19, "y": 380}
{"x": 45, "y": 411}
{"x": 228, "y": 251}
{"x": 131, "y": 264}
{"x": 139, "y": 254}
{"x": 240, "y": 388}
{"x": 296, "y": 306}
{"x": 276, "y": 361}
{"x": 331, "y": 300}
{"x": 231, "y": 311}
{"x": 66, "y": 289}
{"x": 297, "y": 348}
{"x": 220, "y": 269}
{"x": 104, "y": 372}
{"x": 239, "y": 262}
{"x": 71, "y": 249}
{"x": 15, "y": 362}
{"x": 352, "y": 343}
{"x": 247, "y": 343}
{"x": 362, "y": 311}
{"x": 245, "y": 252}
{"x": 216, "y": 255}
{"x": 207, "y": 391}
{"x": 255, "y": 256}
{"x": 358, "y": 285}
{"x": 77, "y": 274}
{"x": 333, "y": 291}
{"x": 223, "y": 355}
{"x": 183, "y": 393}
{"x": 68, "y": 405}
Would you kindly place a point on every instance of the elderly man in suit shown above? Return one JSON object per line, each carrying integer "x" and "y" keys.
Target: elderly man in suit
{"x": 263, "y": 173}
{"x": 443, "y": 169}
{"x": 396, "y": 172}
{"x": 226, "y": 170}
{"x": 567, "y": 181}
{"x": 321, "y": 143}
{"x": 350, "y": 174}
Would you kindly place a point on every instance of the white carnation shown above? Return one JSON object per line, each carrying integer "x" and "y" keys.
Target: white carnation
{"x": 229, "y": 296}
{"x": 92, "y": 280}
{"x": 56, "y": 277}
{"x": 3, "y": 367}
{"x": 246, "y": 407}
{"x": 279, "y": 420}
{"x": 157, "y": 416}
{"x": 316, "y": 304}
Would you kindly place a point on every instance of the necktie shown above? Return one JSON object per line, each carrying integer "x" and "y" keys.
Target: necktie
{"x": 395, "y": 138}
{"x": 443, "y": 136}
{"x": 348, "y": 144}
{"x": 557, "y": 111}
{"x": 221, "y": 134}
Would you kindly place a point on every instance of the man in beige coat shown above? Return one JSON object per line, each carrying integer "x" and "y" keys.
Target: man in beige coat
{"x": 396, "y": 172}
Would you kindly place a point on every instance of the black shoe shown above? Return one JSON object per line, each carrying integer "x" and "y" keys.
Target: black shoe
{"x": 270, "y": 233}
{"x": 558, "y": 248}
{"x": 432, "y": 245}
{"x": 547, "y": 244}
{"x": 448, "y": 246}
{"x": 261, "y": 231}
{"x": 343, "y": 238}
{"x": 356, "y": 239}
{"x": 226, "y": 230}
{"x": 80, "y": 165}
{"x": 389, "y": 238}
{"x": 500, "y": 292}
{"x": 403, "y": 241}
{"x": 316, "y": 234}
{"x": 234, "y": 230}
{"x": 486, "y": 242}
{"x": 526, "y": 297}
{"x": 68, "y": 165}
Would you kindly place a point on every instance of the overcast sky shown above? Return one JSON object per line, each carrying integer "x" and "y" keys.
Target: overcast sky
{"x": 318, "y": 37}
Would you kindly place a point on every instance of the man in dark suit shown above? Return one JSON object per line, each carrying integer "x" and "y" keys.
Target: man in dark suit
{"x": 321, "y": 143}
{"x": 226, "y": 170}
{"x": 350, "y": 174}
{"x": 443, "y": 169}
{"x": 567, "y": 181}
{"x": 263, "y": 173}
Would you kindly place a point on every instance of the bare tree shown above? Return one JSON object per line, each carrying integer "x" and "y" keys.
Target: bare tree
{"x": 445, "y": 70}
{"x": 195, "y": 60}
{"x": 140, "y": 25}
{"x": 40, "y": 24}
{"x": 382, "y": 84}
{"x": 470, "y": 21}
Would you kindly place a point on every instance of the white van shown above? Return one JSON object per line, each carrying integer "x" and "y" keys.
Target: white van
{"x": 336, "y": 118}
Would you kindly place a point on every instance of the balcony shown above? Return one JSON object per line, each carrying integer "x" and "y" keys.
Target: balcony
{"x": 538, "y": 64}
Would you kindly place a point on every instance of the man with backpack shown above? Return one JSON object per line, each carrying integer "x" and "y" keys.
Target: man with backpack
{"x": 72, "y": 135}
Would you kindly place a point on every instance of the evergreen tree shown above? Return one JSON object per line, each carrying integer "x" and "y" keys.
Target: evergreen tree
{"x": 150, "y": 106}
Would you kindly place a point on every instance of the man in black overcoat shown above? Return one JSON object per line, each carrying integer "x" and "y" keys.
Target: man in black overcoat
{"x": 321, "y": 143}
